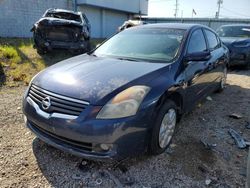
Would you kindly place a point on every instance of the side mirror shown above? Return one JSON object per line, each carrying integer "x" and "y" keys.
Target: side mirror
{"x": 198, "y": 56}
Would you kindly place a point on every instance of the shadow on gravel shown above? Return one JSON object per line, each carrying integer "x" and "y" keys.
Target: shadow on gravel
{"x": 56, "y": 56}
{"x": 186, "y": 161}
{"x": 2, "y": 75}
{"x": 241, "y": 70}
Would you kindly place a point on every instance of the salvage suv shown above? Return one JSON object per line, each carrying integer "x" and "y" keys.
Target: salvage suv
{"x": 60, "y": 28}
{"x": 125, "y": 97}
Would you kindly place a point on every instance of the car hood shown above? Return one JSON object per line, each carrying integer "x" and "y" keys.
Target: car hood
{"x": 92, "y": 78}
{"x": 231, "y": 40}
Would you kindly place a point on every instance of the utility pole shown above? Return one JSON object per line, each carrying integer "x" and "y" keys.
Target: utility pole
{"x": 140, "y": 9}
{"x": 176, "y": 8}
{"x": 217, "y": 14}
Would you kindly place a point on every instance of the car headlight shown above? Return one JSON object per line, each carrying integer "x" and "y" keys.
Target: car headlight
{"x": 124, "y": 104}
{"x": 33, "y": 78}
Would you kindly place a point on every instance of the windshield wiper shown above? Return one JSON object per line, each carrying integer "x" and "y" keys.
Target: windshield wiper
{"x": 126, "y": 59}
{"x": 92, "y": 54}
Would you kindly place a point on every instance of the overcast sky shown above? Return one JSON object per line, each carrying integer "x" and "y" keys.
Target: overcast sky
{"x": 203, "y": 8}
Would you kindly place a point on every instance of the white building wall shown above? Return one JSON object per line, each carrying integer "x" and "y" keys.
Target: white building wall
{"x": 18, "y": 16}
{"x": 94, "y": 16}
{"x": 131, "y": 6}
{"x": 104, "y": 22}
{"x": 112, "y": 21}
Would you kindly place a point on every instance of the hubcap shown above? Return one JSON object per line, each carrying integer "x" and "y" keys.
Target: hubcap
{"x": 167, "y": 128}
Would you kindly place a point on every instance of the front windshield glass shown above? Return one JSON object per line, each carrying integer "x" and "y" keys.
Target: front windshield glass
{"x": 234, "y": 31}
{"x": 146, "y": 44}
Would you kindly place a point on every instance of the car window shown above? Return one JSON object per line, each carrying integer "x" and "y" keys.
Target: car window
{"x": 212, "y": 39}
{"x": 64, "y": 15}
{"x": 219, "y": 41}
{"x": 234, "y": 31}
{"x": 197, "y": 42}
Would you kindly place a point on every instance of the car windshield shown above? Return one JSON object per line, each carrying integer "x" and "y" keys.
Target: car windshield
{"x": 234, "y": 31}
{"x": 143, "y": 44}
{"x": 64, "y": 15}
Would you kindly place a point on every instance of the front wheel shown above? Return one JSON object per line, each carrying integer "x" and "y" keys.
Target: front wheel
{"x": 164, "y": 128}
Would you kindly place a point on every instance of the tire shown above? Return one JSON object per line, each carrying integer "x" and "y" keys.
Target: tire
{"x": 41, "y": 51}
{"x": 157, "y": 144}
{"x": 223, "y": 81}
{"x": 248, "y": 66}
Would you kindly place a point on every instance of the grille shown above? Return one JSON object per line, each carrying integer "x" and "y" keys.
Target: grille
{"x": 59, "y": 104}
{"x": 59, "y": 36}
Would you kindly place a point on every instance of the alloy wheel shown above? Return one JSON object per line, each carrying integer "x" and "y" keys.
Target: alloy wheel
{"x": 167, "y": 128}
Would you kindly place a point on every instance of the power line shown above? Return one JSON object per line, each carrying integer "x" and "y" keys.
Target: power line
{"x": 235, "y": 13}
{"x": 160, "y": 1}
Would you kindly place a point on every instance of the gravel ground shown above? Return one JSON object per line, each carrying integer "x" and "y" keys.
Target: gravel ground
{"x": 27, "y": 162}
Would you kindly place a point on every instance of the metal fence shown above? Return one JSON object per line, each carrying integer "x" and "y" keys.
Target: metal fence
{"x": 210, "y": 22}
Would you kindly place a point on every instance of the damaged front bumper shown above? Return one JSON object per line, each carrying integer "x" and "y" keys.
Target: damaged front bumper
{"x": 239, "y": 56}
{"x": 89, "y": 138}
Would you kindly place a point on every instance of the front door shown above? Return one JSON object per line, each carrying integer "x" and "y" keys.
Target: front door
{"x": 196, "y": 72}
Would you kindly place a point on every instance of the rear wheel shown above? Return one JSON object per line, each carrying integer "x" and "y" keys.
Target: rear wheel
{"x": 248, "y": 66}
{"x": 164, "y": 128}
{"x": 223, "y": 80}
{"x": 41, "y": 50}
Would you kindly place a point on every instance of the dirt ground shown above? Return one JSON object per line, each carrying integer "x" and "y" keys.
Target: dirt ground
{"x": 27, "y": 162}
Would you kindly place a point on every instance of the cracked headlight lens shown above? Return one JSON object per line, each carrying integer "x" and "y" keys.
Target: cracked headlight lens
{"x": 124, "y": 104}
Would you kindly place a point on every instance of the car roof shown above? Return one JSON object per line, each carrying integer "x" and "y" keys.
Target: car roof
{"x": 184, "y": 26}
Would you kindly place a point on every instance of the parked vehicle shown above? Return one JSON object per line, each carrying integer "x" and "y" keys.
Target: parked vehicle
{"x": 237, "y": 38}
{"x": 130, "y": 23}
{"x": 60, "y": 28}
{"x": 125, "y": 97}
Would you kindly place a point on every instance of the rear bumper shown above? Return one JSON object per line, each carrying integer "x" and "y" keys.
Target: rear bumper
{"x": 52, "y": 44}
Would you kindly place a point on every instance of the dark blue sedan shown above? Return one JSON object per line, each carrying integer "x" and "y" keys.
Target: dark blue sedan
{"x": 125, "y": 97}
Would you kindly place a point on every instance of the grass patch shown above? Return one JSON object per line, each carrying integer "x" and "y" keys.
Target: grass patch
{"x": 95, "y": 42}
{"x": 19, "y": 61}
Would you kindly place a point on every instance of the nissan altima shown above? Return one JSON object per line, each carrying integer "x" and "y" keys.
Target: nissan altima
{"x": 126, "y": 97}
